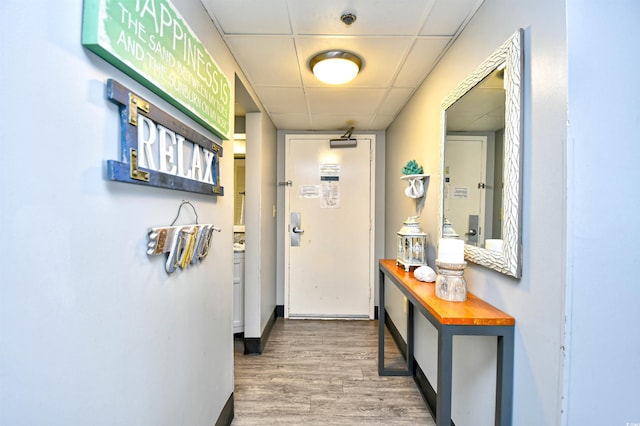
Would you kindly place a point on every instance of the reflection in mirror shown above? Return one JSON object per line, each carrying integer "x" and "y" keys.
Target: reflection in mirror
{"x": 239, "y": 150}
{"x": 482, "y": 132}
{"x": 473, "y": 161}
{"x": 238, "y": 193}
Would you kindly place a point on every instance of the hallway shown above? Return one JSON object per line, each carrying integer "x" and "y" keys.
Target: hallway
{"x": 317, "y": 372}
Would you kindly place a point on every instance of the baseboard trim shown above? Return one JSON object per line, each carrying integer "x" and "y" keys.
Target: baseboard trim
{"x": 226, "y": 416}
{"x": 256, "y": 345}
{"x": 424, "y": 386}
{"x": 280, "y": 311}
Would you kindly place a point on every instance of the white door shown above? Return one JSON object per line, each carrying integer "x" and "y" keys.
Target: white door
{"x": 329, "y": 244}
{"x": 465, "y": 184}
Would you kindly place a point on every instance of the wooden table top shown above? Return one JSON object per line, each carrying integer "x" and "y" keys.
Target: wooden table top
{"x": 473, "y": 311}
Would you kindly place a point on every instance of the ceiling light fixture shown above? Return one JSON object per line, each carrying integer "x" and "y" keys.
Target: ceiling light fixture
{"x": 335, "y": 66}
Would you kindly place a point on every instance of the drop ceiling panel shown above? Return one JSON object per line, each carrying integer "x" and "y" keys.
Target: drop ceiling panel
{"x": 395, "y": 100}
{"x": 420, "y": 61}
{"x": 381, "y": 57}
{"x": 251, "y": 16}
{"x": 374, "y": 17}
{"x": 447, "y": 16}
{"x": 281, "y": 100}
{"x": 340, "y": 122}
{"x": 292, "y": 121}
{"x": 267, "y": 61}
{"x": 399, "y": 42}
{"x": 381, "y": 122}
{"x": 344, "y": 101}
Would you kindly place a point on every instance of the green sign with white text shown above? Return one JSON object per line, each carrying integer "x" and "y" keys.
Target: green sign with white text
{"x": 150, "y": 41}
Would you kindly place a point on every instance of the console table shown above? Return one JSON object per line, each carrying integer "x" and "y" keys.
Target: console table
{"x": 473, "y": 317}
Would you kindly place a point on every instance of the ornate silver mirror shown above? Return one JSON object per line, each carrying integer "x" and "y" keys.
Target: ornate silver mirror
{"x": 482, "y": 166}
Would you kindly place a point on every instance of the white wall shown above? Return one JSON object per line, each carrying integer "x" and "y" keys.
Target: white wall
{"x": 536, "y": 300}
{"x": 260, "y": 230}
{"x": 93, "y": 330}
{"x": 603, "y": 374}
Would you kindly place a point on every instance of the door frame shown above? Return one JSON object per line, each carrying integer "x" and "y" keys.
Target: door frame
{"x": 372, "y": 212}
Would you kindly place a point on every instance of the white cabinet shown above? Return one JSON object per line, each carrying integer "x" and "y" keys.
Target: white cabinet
{"x": 238, "y": 292}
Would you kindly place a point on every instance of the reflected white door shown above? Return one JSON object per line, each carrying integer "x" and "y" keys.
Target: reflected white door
{"x": 465, "y": 182}
{"x": 329, "y": 257}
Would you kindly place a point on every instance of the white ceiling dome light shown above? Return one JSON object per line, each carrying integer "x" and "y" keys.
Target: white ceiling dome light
{"x": 335, "y": 66}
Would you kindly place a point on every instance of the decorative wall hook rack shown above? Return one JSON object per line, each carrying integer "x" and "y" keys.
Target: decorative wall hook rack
{"x": 185, "y": 244}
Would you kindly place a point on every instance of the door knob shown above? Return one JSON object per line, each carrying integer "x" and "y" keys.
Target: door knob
{"x": 298, "y": 230}
{"x": 471, "y": 232}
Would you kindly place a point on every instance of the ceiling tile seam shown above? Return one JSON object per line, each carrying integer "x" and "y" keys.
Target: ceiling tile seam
{"x": 452, "y": 40}
{"x": 357, "y": 36}
{"x": 246, "y": 74}
{"x": 425, "y": 16}
{"x": 218, "y": 27}
{"x": 416, "y": 36}
{"x": 434, "y": 37}
{"x": 277, "y": 86}
{"x": 242, "y": 70}
{"x": 212, "y": 18}
{"x": 436, "y": 61}
{"x": 307, "y": 102}
{"x": 289, "y": 18}
{"x": 333, "y": 36}
{"x": 296, "y": 33}
{"x": 376, "y": 112}
{"x": 348, "y": 90}
{"x": 258, "y": 35}
{"x": 442, "y": 52}
{"x": 292, "y": 24}
{"x": 336, "y": 36}
{"x": 300, "y": 71}
{"x": 372, "y": 126}
{"x": 401, "y": 64}
{"x": 427, "y": 72}
{"x": 366, "y": 35}
{"x": 393, "y": 115}
{"x": 404, "y": 86}
{"x": 467, "y": 19}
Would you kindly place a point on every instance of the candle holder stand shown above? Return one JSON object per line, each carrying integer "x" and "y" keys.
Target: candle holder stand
{"x": 450, "y": 282}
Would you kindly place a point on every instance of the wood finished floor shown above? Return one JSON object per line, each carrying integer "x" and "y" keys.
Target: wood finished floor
{"x": 316, "y": 372}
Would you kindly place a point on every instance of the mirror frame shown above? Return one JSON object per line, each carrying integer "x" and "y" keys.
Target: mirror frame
{"x": 509, "y": 261}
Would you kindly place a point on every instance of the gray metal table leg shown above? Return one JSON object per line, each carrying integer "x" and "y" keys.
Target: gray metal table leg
{"x": 381, "y": 325}
{"x": 504, "y": 383}
{"x": 382, "y": 371}
{"x": 410, "y": 339}
{"x": 443, "y": 393}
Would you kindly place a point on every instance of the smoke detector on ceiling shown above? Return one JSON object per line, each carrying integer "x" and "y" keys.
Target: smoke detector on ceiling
{"x": 348, "y": 18}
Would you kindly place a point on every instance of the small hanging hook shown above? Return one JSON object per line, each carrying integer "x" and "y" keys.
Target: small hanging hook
{"x": 180, "y": 207}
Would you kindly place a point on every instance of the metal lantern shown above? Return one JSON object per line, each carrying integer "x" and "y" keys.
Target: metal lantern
{"x": 412, "y": 244}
